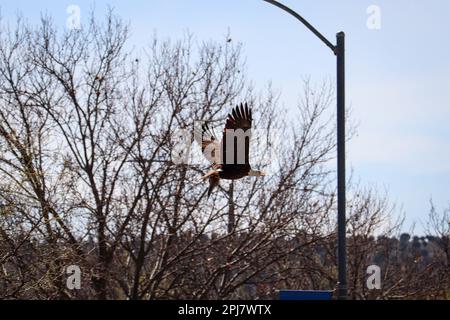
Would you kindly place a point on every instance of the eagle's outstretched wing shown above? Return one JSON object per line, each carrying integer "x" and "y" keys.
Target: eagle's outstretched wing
{"x": 238, "y": 124}
{"x": 208, "y": 142}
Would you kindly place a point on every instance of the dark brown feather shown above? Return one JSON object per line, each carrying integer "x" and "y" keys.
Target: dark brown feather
{"x": 239, "y": 119}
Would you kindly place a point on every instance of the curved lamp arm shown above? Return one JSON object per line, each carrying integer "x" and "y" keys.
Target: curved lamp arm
{"x": 306, "y": 23}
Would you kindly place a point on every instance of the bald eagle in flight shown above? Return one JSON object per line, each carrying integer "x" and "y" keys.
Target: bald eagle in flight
{"x": 230, "y": 157}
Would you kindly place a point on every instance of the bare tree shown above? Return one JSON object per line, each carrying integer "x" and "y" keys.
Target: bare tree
{"x": 90, "y": 174}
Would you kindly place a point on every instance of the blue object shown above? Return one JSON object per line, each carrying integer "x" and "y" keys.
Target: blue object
{"x": 305, "y": 295}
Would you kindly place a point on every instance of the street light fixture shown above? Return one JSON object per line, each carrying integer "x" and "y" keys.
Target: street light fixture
{"x": 339, "y": 51}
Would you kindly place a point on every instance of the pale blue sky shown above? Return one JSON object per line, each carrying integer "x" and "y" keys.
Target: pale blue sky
{"x": 398, "y": 77}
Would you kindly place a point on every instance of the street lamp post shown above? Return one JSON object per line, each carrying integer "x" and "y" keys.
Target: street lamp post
{"x": 339, "y": 51}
